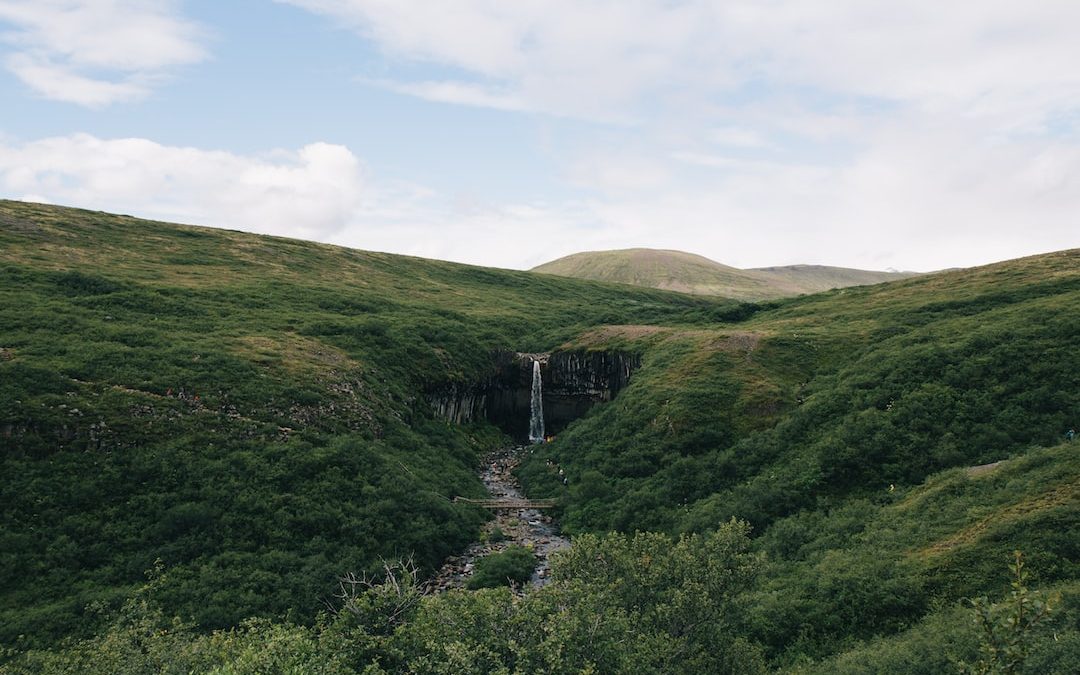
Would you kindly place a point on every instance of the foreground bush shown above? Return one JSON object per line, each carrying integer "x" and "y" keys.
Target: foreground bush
{"x": 618, "y": 604}
{"x": 514, "y": 565}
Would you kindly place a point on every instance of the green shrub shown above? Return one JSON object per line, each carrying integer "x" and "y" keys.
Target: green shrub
{"x": 514, "y": 565}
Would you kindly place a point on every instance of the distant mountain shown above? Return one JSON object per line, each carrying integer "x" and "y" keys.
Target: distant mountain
{"x": 695, "y": 274}
{"x": 816, "y": 278}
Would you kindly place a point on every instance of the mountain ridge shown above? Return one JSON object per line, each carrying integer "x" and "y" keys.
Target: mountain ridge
{"x": 695, "y": 274}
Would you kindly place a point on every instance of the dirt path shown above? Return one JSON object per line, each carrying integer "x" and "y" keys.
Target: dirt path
{"x": 525, "y": 527}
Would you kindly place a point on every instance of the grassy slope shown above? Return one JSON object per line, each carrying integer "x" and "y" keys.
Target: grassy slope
{"x": 841, "y": 391}
{"x": 798, "y": 419}
{"x": 247, "y": 409}
{"x": 806, "y": 418}
{"x": 689, "y": 273}
{"x": 800, "y": 279}
{"x": 945, "y": 539}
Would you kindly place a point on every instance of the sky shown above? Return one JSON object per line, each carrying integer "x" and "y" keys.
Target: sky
{"x": 875, "y": 134}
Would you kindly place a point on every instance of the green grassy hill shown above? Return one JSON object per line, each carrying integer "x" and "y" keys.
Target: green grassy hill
{"x": 689, "y": 273}
{"x": 249, "y": 411}
{"x": 246, "y": 409}
{"x": 817, "y": 420}
{"x": 802, "y": 279}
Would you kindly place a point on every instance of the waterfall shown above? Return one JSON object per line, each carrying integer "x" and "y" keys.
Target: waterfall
{"x": 536, "y": 407}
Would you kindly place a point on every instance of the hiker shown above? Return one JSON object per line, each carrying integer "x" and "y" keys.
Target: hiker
{"x": 1070, "y": 434}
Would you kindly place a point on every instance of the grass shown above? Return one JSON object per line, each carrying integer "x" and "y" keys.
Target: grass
{"x": 250, "y": 411}
{"x": 247, "y": 409}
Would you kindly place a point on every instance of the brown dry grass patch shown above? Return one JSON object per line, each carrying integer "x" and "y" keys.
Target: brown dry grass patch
{"x": 291, "y": 353}
{"x": 1058, "y": 496}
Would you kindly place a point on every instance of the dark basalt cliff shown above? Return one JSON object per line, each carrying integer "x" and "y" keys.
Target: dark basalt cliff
{"x": 573, "y": 382}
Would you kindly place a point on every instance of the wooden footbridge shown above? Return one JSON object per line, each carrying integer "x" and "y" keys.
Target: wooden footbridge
{"x": 509, "y": 503}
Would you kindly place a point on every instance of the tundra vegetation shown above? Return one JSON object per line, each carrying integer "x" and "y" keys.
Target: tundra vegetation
{"x": 816, "y": 484}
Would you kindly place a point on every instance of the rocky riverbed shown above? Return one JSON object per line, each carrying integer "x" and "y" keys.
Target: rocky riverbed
{"x": 525, "y": 527}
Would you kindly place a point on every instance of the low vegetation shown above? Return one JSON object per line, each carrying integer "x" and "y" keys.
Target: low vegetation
{"x": 513, "y": 565}
{"x": 248, "y": 410}
{"x": 655, "y": 605}
{"x": 818, "y": 484}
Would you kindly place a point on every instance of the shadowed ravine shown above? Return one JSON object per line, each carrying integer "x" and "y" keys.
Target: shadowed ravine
{"x": 524, "y": 527}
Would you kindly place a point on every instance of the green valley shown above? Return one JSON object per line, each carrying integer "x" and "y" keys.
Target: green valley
{"x": 808, "y": 484}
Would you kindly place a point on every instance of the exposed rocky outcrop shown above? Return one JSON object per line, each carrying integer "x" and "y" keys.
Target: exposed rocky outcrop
{"x": 573, "y": 382}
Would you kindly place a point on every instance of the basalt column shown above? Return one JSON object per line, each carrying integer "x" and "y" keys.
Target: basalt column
{"x": 567, "y": 384}
{"x": 575, "y": 381}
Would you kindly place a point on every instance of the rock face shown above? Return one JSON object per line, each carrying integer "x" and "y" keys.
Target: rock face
{"x": 576, "y": 381}
{"x": 573, "y": 382}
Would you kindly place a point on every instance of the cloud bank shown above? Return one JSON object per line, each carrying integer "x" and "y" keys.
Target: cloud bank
{"x": 320, "y": 192}
{"x": 972, "y": 210}
{"x": 599, "y": 56}
{"x": 865, "y": 134}
{"x": 96, "y": 52}
{"x": 310, "y": 193}
{"x": 917, "y": 135}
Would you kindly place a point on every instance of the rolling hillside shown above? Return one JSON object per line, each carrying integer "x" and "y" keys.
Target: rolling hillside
{"x": 689, "y": 273}
{"x": 244, "y": 417}
{"x": 247, "y": 409}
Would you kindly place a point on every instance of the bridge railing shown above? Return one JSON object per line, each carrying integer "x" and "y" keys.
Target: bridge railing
{"x": 509, "y": 503}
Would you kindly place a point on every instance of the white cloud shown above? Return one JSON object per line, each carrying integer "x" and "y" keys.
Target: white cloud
{"x": 866, "y": 134}
{"x": 310, "y": 193}
{"x": 615, "y": 174}
{"x": 713, "y": 161}
{"x": 558, "y": 56}
{"x": 319, "y": 192}
{"x": 920, "y": 195}
{"x": 595, "y": 57}
{"x": 61, "y": 84}
{"x": 738, "y": 137}
{"x": 895, "y": 206}
{"x": 915, "y": 135}
{"x": 462, "y": 93}
{"x": 96, "y": 52}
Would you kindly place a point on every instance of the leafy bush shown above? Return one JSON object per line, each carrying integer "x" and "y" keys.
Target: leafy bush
{"x": 1009, "y": 628}
{"x": 513, "y": 565}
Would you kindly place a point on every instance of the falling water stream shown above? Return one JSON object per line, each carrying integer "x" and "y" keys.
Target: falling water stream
{"x": 536, "y": 406}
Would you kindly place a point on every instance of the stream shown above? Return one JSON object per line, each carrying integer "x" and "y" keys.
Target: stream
{"x": 524, "y": 527}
